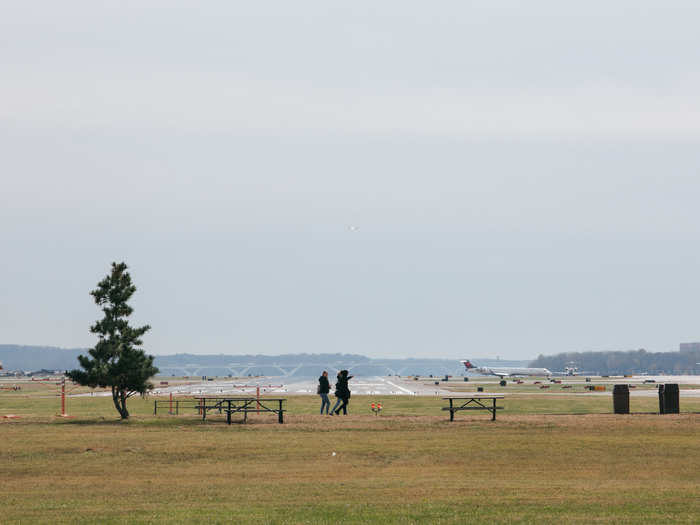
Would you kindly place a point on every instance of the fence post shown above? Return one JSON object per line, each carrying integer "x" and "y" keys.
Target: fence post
{"x": 63, "y": 397}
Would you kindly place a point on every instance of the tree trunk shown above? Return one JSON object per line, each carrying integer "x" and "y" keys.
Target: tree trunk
{"x": 119, "y": 399}
{"x": 124, "y": 412}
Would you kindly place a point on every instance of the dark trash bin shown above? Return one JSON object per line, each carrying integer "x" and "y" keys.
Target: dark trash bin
{"x": 466, "y": 379}
{"x": 621, "y": 399}
{"x": 503, "y": 382}
{"x": 479, "y": 388}
{"x": 669, "y": 398}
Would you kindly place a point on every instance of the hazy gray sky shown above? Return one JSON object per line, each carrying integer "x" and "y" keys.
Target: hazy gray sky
{"x": 449, "y": 179}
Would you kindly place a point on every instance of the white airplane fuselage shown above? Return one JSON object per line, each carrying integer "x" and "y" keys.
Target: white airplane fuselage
{"x": 506, "y": 371}
{"x": 503, "y": 372}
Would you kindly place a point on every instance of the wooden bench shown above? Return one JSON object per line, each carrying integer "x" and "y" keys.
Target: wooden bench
{"x": 241, "y": 405}
{"x": 473, "y": 402}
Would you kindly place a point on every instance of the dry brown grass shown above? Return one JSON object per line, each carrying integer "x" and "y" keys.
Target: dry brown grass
{"x": 414, "y": 468}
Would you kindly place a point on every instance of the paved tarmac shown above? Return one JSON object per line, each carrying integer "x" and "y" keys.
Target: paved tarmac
{"x": 380, "y": 386}
{"x": 394, "y": 385}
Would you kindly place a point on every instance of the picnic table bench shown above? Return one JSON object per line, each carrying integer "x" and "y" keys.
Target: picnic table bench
{"x": 229, "y": 405}
{"x": 241, "y": 405}
{"x": 473, "y": 402}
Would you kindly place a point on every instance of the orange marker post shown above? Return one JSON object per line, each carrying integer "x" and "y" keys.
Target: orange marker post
{"x": 63, "y": 397}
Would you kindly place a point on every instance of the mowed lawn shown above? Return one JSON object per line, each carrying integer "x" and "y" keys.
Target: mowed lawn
{"x": 409, "y": 465}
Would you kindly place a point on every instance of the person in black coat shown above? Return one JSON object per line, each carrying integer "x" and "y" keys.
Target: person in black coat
{"x": 324, "y": 387}
{"x": 342, "y": 392}
{"x": 338, "y": 401}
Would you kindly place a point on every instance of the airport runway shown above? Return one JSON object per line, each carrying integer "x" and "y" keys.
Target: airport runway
{"x": 381, "y": 386}
{"x": 402, "y": 386}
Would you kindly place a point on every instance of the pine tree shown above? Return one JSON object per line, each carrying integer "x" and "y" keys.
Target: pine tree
{"x": 116, "y": 361}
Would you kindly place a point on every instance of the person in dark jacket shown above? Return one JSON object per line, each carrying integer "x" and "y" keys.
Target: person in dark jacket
{"x": 339, "y": 401}
{"x": 324, "y": 387}
{"x": 342, "y": 392}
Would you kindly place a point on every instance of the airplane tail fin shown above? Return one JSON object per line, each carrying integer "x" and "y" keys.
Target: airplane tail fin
{"x": 468, "y": 365}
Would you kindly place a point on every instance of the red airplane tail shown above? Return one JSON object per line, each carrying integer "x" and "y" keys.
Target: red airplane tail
{"x": 467, "y": 364}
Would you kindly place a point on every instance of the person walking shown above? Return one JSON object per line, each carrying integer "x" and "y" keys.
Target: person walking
{"x": 324, "y": 387}
{"x": 339, "y": 401}
{"x": 342, "y": 392}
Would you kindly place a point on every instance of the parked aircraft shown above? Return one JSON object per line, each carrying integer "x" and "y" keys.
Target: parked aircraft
{"x": 506, "y": 371}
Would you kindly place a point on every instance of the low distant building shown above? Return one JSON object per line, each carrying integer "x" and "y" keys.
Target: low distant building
{"x": 689, "y": 347}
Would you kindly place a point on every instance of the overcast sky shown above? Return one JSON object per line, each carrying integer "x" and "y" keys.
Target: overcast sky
{"x": 396, "y": 178}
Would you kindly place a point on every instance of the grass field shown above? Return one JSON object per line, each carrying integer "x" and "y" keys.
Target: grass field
{"x": 409, "y": 465}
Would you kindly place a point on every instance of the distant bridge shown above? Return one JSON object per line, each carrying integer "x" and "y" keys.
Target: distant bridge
{"x": 305, "y": 369}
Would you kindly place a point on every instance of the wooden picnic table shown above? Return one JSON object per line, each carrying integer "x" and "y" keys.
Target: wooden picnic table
{"x": 240, "y": 405}
{"x": 474, "y": 402}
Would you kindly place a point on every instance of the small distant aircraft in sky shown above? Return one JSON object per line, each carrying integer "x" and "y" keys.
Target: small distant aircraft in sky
{"x": 506, "y": 371}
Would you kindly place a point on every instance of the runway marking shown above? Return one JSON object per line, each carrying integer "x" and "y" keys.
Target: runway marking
{"x": 397, "y": 386}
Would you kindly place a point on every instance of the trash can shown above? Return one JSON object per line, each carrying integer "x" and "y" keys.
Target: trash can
{"x": 479, "y": 388}
{"x": 669, "y": 401}
{"x": 503, "y": 382}
{"x": 466, "y": 379}
{"x": 621, "y": 399}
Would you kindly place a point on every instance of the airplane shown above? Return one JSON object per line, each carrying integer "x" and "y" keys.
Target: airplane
{"x": 572, "y": 370}
{"x": 569, "y": 370}
{"x": 506, "y": 371}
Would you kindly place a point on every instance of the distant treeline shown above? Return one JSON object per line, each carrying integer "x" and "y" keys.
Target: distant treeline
{"x": 19, "y": 357}
{"x": 629, "y": 362}
{"x": 32, "y": 358}
{"x": 225, "y": 359}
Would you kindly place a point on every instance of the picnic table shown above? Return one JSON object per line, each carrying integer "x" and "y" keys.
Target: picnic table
{"x": 240, "y": 405}
{"x": 473, "y": 402}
